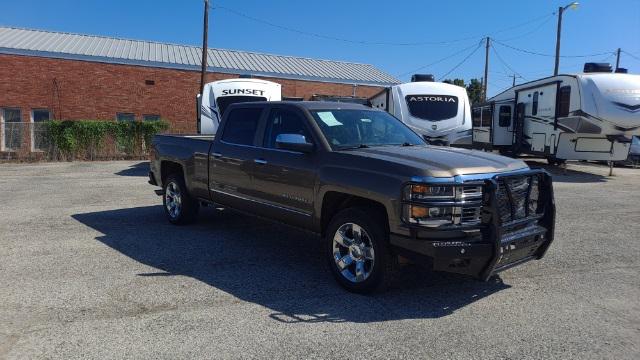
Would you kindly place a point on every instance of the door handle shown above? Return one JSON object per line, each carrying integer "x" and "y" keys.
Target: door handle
{"x": 260, "y": 161}
{"x": 216, "y": 154}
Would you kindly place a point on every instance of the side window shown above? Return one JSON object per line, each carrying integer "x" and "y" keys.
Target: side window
{"x": 487, "y": 116}
{"x": 241, "y": 126}
{"x": 534, "y": 108}
{"x": 504, "y": 118}
{"x": 564, "y": 100}
{"x": 475, "y": 117}
{"x": 282, "y": 121}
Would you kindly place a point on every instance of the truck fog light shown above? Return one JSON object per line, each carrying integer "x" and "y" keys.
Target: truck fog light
{"x": 428, "y": 216}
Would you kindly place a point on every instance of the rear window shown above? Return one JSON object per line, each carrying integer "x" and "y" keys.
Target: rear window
{"x": 432, "y": 107}
{"x": 241, "y": 126}
{"x": 224, "y": 101}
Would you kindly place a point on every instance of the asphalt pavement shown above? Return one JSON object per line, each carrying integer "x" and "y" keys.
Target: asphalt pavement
{"x": 90, "y": 268}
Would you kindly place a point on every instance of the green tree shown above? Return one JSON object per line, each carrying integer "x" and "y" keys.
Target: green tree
{"x": 474, "y": 91}
{"x": 458, "y": 82}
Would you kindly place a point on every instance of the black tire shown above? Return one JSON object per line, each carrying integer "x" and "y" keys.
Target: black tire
{"x": 187, "y": 207}
{"x": 383, "y": 264}
{"x": 552, "y": 160}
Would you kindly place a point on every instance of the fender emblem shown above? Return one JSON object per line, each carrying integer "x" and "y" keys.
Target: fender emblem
{"x": 434, "y": 127}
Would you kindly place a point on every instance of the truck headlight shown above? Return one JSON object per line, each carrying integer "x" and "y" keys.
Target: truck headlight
{"x": 429, "y": 192}
{"x": 428, "y": 216}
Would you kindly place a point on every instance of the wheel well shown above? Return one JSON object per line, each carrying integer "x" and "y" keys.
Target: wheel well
{"x": 334, "y": 201}
{"x": 169, "y": 167}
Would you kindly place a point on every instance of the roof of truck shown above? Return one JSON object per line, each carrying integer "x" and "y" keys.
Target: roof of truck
{"x": 309, "y": 105}
{"x": 61, "y": 45}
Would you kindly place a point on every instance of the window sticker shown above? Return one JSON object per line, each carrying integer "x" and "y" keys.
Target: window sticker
{"x": 328, "y": 118}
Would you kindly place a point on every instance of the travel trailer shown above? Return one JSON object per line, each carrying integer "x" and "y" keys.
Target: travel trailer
{"x": 588, "y": 116}
{"x": 218, "y": 95}
{"x": 438, "y": 111}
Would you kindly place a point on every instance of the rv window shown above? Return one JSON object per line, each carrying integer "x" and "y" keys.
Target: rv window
{"x": 241, "y": 126}
{"x": 504, "y": 118}
{"x": 283, "y": 122}
{"x": 432, "y": 107}
{"x": 564, "y": 99}
{"x": 475, "y": 117}
{"x": 224, "y": 101}
{"x": 487, "y": 115}
{"x": 534, "y": 109}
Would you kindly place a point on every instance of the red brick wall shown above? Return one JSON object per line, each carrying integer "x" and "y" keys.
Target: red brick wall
{"x": 89, "y": 90}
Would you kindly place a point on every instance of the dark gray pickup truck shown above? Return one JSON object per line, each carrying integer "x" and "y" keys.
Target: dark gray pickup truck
{"x": 366, "y": 183}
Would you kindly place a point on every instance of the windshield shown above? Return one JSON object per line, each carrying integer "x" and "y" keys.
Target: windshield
{"x": 432, "y": 107}
{"x": 362, "y": 128}
{"x": 225, "y": 101}
{"x": 636, "y": 140}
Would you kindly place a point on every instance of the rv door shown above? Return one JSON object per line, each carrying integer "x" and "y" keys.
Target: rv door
{"x": 518, "y": 128}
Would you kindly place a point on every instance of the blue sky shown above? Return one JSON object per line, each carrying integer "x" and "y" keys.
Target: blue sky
{"x": 381, "y": 33}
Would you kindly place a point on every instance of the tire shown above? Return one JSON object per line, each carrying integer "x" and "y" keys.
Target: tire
{"x": 358, "y": 252}
{"x": 552, "y": 160}
{"x": 179, "y": 207}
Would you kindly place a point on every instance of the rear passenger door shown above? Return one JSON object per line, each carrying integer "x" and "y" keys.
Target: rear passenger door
{"x": 232, "y": 157}
{"x": 285, "y": 179}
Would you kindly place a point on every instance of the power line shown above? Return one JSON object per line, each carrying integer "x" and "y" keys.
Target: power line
{"x": 549, "y": 17}
{"x": 437, "y": 61}
{"x": 364, "y": 42}
{"x": 505, "y": 63}
{"x": 632, "y": 55}
{"x": 462, "y": 62}
{"x": 549, "y": 55}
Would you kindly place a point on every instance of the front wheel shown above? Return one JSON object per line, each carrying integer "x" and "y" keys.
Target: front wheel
{"x": 179, "y": 206}
{"x": 357, "y": 250}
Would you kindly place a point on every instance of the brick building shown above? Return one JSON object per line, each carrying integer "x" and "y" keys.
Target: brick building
{"x": 51, "y": 75}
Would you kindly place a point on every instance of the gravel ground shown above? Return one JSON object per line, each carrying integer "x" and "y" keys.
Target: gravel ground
{"x": 89, "y": 268}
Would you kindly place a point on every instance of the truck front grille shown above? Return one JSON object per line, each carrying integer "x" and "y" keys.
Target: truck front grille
{"x": 516, "y": 197}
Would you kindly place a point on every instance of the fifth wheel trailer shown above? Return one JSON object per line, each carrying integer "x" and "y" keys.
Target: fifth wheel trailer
{"x": 438, "y": 111}
{"x": 218, "y": 95}
{"x": 587, "y": 116}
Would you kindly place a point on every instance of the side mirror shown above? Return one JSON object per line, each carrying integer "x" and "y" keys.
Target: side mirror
{"x": 293, "y": 142}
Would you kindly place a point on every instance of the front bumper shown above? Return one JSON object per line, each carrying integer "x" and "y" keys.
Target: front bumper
{"x": 497, "y": 245}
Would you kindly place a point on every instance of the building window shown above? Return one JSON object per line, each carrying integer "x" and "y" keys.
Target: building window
{"x": 12, "y": 129}
{"x": 504, "y": 118}
{"x": 39, "y": 139}
{"x": 150, "y": 117}
{"x": 125, "y": 117}
{"x": 534, "y": 109}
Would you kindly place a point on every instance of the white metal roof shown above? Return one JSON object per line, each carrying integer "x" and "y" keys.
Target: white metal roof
{"x": 148, "y": 53}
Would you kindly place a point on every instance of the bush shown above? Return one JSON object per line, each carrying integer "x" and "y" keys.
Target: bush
{"x": 95, "y": 139}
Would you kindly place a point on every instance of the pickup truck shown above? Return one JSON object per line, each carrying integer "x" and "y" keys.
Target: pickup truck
{"x": 367, "y": 184}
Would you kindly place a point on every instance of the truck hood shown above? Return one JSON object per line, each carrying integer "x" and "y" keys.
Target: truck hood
{"x": 440, "y": 161}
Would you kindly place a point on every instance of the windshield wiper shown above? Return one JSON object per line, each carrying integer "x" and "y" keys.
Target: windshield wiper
{"x": 360, "y": 146}
{"x": 406, "y": 144}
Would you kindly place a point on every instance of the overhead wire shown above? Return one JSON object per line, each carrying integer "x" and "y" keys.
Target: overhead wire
{"x": 505, "y": 63}
{"x": 461, "y": 62}
{"x": 440, "y": 60}
{"x": 630, "y": 54}
{"x": 548, "y": 55}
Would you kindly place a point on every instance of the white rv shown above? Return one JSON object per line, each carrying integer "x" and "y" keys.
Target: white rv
{"x": 587, "y": 116}
{"x": 438, "y": 111}
{"x": 218, "y": 95}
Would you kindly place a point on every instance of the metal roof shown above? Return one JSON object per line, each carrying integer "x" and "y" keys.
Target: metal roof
{"x": 148, "y": 53}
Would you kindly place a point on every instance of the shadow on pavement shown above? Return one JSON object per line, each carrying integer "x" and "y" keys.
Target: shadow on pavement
{"x": 139, "y": 169}
{"x": 275, "y": 266}
{"x": 567, "y": 175}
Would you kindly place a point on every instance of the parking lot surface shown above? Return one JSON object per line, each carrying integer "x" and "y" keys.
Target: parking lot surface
{"x": 90, "y": 268}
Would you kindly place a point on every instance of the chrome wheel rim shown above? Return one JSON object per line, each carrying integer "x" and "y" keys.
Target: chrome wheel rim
{"x": 173, "y": 200}
{"x": 353, "y": 252}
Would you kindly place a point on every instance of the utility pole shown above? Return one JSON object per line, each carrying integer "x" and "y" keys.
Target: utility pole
{"x": 557, "y": 66}
{"x": 618, "y": 59}
{"x": 561, "y": 10}
{"x": 514, "y": 80}
{"x": 205, "y": 33}
{"x": 486, "y": 71}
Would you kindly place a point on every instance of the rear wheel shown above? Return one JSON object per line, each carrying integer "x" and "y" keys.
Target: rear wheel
{"x": 552, "y": 160}
{"x": 357, "y": 250}
{"x": 179, "y": 206}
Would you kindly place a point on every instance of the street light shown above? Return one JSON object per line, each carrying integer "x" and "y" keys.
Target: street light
{"x": 561, "y": 9}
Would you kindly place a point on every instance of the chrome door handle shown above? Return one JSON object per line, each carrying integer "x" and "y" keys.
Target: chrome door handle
{"x": 216, "y": 154}
{"x": 260, "y": 161}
